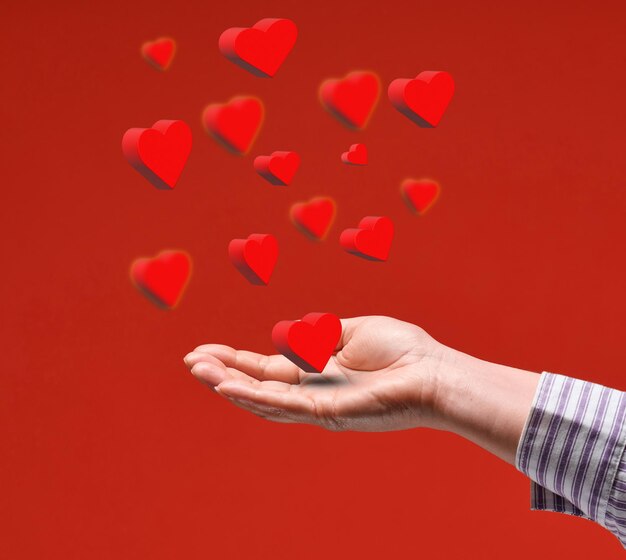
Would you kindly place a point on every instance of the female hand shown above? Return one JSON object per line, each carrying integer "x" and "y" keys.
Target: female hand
{"x": 382, "y": 377}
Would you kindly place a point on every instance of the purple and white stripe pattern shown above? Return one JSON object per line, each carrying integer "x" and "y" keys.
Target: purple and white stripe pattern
{"x": 572, "y": 449}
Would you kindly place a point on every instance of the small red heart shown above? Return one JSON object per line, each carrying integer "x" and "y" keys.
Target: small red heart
{"x": 159, "y": 153}
{"x": 420, "y": 195}
{"x": 159, "y": 53}
{"x": 371, "y": 240}
{"x": 262, "y": 48}
{"x": 308, "y": 343}
{"x": 351, "y": 99}
{"x": 255, "y": 257}
{"x": 356, "y": 155}
{"x": 315, "y": 217}
{"x": 423, "y": 99}
{"x": 234, "y": 124}
{"x": 163, "y": 278}
{"x": 278, "y": 168}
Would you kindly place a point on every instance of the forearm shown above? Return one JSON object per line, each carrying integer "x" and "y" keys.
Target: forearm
{"x": 483, "y": 402}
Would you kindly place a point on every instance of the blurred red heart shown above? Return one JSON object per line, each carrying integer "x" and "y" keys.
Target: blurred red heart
{"x": 159, "y": 53}
{"x": 356, "y": 155}
{"x": 371, "y": 240}
{"x": 351, "y": 99}
{"x": 278, "y": 168}
{"x": 234, "y": 124}
{"x": 308, "y": 343}
{"x": 423, "y": 99}
{"x": 255, "y": 257}
{"x": 163, "y": 278}
{"x": 262, "y": 48}
{"x": 315, "y": 217}
{"x": 159, "y": 153}
{"x": 420, "y": 195}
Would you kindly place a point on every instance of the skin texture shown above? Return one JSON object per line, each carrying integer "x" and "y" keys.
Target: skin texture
{"x": 386, "y": 375}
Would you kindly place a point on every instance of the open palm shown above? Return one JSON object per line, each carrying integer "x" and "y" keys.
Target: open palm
{"x": 380, "y": 378}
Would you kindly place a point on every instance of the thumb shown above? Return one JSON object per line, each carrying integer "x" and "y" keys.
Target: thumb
{"x": 349, "y": 327}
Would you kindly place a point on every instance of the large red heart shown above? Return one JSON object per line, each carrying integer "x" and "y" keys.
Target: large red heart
{"x": 234, "y": 124}
{"x": 315, "y": 217}
{"x": 159, "y": 53}
{"x": 162, "y": 278}
{"x": 255, "y": 257}
{"x": 278, "y": 168}
{"x": 371, "y": 240}
{"x": 351, "y": 99}
{"x": 420, "y": 195}
{"x": 260, "y": 49}
{"x": 356, "y": 155}
{"x": 158, "y": 153}
{"x": 423, "y": 99}
{"x": 308, "y": 343}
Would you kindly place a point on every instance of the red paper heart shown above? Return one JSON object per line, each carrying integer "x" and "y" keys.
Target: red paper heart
{"x": 356, "y": 155}
{"x": 158, "y": 153}
{"x": 159, "y": 53}
{"x": 278, "y": 168}
{"x": 351, "y": 99}
{"x": 255, "y": 257}
{"x": 234, "y": 124}
{"x": 260, "y": 49}
{"x": 423, "y": 99}
{"x": 420, "y": 195}
{"x": 315, "y": 217}
{"x": 163, "y": 278}
{"x": 308, "y": 343}
{"x": 371, "y": 240}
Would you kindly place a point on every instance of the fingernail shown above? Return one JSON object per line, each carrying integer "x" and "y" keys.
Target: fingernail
{"x": 208, "y": 373}
{"x": 188, "y": 358}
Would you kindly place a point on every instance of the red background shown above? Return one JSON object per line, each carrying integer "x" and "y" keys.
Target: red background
{"x": 110, "y": 448}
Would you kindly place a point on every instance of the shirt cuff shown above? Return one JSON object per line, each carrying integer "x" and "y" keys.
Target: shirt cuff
{"x": 571, "y": 446}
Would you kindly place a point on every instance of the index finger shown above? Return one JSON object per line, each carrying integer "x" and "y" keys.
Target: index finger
{"x": 259, "y": 366}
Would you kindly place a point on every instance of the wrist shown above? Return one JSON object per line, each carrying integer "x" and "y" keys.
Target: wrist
{"x": 481, "y": 401}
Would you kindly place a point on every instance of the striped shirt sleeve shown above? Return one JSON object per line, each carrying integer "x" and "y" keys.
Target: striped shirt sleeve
{"x": 572, "y": 449}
